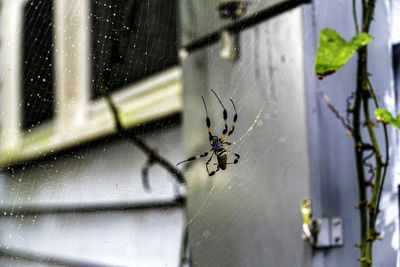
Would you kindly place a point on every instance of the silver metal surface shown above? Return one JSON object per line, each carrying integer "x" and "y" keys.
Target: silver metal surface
{"x": 330, "y": 233}
{"x": 202, "y": 18}
{"x": 248, "y": 214}
{"x": 336, "y": 227}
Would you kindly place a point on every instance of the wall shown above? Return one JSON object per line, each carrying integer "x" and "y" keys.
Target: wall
{"x": 88, "y": 207}
{"x": 335, "y": 189}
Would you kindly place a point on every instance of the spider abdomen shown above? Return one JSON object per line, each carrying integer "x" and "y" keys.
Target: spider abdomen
{"x": 221, "y": 159}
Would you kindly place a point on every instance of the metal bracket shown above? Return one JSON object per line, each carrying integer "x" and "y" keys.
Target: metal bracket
{"x": 320, "y": 232}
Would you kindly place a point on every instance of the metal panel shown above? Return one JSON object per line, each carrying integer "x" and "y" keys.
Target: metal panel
{"x": 97, "y": 238}
{"x": 248, "y": 215}
{"x": 199, "y": 19}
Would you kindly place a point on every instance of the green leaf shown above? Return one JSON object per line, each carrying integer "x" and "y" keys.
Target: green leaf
{"x": 334, "y": 51}
{"x": 387, "y": 117}
{"x": 384, "y": 115}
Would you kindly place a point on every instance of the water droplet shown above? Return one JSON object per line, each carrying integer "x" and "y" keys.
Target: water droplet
{"x": 206, "y": 234}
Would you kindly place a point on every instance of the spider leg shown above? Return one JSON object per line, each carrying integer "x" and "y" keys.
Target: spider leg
{"x": 234, "y": 121}
{"x": 236, "y": 155}
{"x": 224, "y": 114}
{"x": 208, "y": 123}
{"x": 226, "y": 144}
{"x": 213, "y": 172}
{"x": 195, "y": 157}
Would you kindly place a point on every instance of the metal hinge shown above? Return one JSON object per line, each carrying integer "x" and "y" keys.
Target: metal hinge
{"x": 320, "y": 232}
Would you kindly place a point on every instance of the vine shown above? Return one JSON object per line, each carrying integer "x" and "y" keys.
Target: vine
{"x": 333, "y": 52}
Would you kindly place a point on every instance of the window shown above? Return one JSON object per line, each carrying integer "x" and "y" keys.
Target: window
{"x": 148, "y": 30}
{"x": 37, "y": 83}
{"x": 55, "y": 55}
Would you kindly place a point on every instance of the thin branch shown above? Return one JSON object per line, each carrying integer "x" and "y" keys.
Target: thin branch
{"x": 355, "y": 16}
{"x": 348, "y": 108}
{"x": 117, "y": 45}
{"x": 335, "y": 111}
{"x": 370, "y": 168}
{"x": 153, "y": 155}
{"x": 387, "y": 157}
{"x": 145, "y": 174}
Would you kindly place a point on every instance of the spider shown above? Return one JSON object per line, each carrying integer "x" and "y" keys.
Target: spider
{"x": 218, "y": 143}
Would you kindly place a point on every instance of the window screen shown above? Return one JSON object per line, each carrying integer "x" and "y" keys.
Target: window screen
{"x": 131, "y": 40}
{"x": 37, "y": 63}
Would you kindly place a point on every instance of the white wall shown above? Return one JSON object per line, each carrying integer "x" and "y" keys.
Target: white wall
{"x": 79, "y": 208}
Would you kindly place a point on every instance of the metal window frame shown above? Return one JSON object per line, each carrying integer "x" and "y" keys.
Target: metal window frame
{"x": 77, "y": 117}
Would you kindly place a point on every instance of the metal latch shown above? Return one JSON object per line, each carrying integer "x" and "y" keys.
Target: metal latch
{"x": 320, "y": 232}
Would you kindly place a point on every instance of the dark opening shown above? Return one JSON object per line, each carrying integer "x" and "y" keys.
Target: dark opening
{"x": 37, "y": 63}
{"x": 131, "y": 40}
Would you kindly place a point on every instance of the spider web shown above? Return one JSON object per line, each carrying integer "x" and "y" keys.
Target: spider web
{"x": 78, "y": 206}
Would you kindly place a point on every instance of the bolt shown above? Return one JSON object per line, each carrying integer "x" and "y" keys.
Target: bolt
{"x": 336, "y": 239}
{"x": 336, "y": 222}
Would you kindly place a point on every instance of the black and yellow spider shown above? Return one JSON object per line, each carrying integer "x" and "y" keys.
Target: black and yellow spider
{"x": 217, "y": 144}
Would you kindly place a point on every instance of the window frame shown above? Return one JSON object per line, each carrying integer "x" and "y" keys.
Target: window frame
{"x": 77, "y": 118}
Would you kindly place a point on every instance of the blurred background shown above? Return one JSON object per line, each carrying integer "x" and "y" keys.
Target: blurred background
{"x": 75, "y": 191}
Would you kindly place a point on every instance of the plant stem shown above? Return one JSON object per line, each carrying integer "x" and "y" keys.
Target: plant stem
{"x": 385, "y": 133}
{"x": 364, "y": 91}
{"x": 355, "y": 16}
{"x": 371, "y": 232}
{"x": 362, "y": 192}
